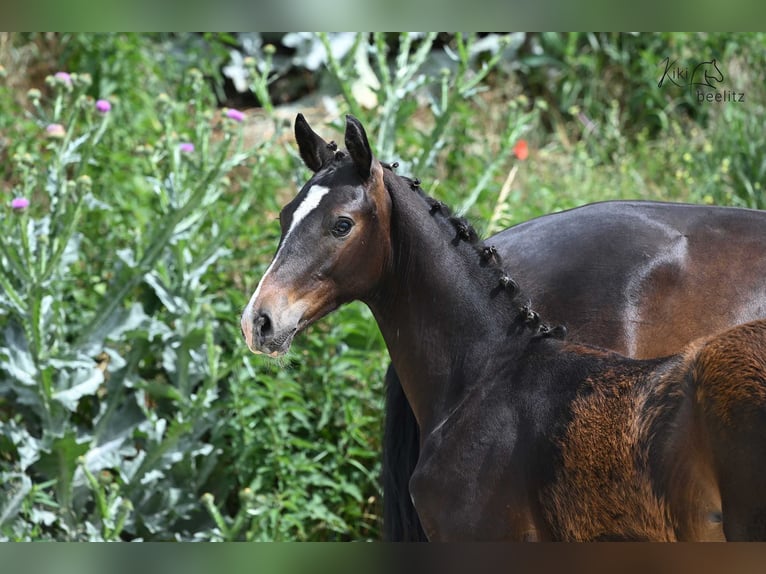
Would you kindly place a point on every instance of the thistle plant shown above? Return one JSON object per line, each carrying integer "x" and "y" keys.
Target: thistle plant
{"x": 100, "y": 444}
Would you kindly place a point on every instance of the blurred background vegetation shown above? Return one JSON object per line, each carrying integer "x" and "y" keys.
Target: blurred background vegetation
{"x": 140, "y": 181}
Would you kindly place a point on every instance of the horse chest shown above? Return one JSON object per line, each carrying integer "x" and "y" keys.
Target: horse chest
{"x": 504, "y": 480}
{"x": 472, "y": 486}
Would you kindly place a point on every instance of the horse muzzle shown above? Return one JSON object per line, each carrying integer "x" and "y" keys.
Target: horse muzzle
{"x": 277, "y": 312}
{"x": 265, "y": 334}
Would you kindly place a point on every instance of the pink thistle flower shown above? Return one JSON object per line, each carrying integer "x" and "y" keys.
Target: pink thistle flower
{"x": 186, "y": 147}
{"x": 63, "y": 77}
{"x": 19, "y": 203}
{"x": 55, "y": 131}
{"x": 103, "y": 106}
{"x": 235, "y": 115}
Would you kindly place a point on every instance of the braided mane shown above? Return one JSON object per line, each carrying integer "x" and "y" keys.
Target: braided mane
{"x": 488, "y": 257}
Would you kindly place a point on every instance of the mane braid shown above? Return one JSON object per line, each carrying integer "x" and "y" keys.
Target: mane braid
{"x": 488, "y": 257}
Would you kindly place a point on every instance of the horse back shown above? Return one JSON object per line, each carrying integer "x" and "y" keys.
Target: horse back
{"x": 642, "y": 278}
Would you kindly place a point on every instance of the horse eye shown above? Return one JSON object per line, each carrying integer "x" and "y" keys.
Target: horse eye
{"x": 342, "y": 227}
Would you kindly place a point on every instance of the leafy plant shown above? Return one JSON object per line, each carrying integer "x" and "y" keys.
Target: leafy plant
{"x": 110, "y": 363}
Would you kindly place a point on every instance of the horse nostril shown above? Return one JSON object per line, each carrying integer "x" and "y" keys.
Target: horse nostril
{"x": 262, "y": 326}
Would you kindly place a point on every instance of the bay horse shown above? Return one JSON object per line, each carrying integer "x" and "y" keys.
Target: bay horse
{"x": 637, "y": 277}
{"x": 525, "y": 434}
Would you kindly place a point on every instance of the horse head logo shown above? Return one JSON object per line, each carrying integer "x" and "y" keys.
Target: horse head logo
{"x": 706, "y": 74}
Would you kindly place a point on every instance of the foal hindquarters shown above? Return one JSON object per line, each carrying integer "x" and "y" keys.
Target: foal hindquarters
{"x": 729, "y": 375}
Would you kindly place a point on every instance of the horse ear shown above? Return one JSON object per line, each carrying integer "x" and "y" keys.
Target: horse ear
{"x": 358, "y": 146}
{"x": 315, "y": 152}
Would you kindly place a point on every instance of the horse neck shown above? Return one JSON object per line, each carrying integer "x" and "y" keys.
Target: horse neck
{"x": 440, "y": 311}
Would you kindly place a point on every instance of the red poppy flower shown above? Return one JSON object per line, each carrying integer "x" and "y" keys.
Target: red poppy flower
{"x": 521, "y": 150}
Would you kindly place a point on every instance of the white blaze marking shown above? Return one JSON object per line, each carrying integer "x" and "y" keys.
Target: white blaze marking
{"x": 309, "y": 204}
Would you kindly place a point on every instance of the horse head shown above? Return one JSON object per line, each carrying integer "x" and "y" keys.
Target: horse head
{"x": 334, "y": 243}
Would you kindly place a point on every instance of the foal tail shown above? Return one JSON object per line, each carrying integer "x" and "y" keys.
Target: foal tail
{"x": 401, "y": 447}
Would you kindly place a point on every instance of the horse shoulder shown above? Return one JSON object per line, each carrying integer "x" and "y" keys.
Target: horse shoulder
{"x": 456, "y": 502}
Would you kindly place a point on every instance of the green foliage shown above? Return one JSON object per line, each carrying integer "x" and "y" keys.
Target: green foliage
{"x": 307, "y": 437}
{"x": 605, "y": 87}
{"x": 109, "y": 359}
{"x": 129, "y": 406}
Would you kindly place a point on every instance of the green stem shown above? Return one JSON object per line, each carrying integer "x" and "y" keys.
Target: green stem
{"x": 157, "y": 244}
{"x": 73, "y": 218}
{"x": 23, "y": 224}
{"x": 381, "y": 54}
{"x": 18, "y": 267}
{"x": 406, "y": 69}
{"x": 126, "y": 507}
{"x": 64, "y": 488}
{"x": 261, "y": 84}
{"x": 101, "y": 504}
{"x": 208, "y": 501}
{"x": 12, "y": 294}
{"x": 337, "y": 71}
{"x": 175, "y": 432}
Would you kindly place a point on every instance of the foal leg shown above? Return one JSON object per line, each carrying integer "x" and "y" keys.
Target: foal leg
{"x": 730, "y": 373}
